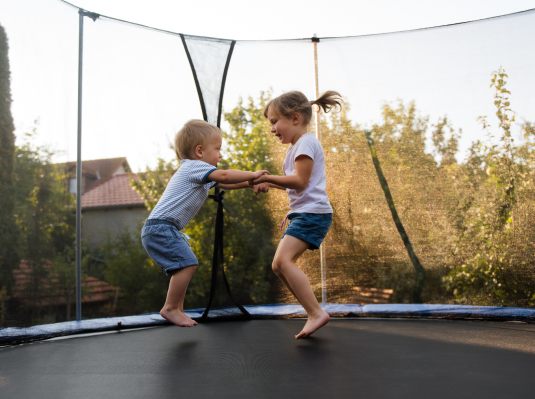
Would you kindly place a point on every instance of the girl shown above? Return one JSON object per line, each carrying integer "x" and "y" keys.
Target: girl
{"x": 304, "y": 180}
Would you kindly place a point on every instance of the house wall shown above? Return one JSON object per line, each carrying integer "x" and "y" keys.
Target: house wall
{"x": 97, "y": 222}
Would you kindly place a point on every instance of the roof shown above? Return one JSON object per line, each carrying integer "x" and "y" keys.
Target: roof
{"x": 96, "y": 171}
{"x": 105, "y": 167}
{"x": 93, "y": 290}
{"x": 116, "y": 191}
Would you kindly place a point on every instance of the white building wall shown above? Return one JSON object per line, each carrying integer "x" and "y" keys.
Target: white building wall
{"x": 97, "y": 224}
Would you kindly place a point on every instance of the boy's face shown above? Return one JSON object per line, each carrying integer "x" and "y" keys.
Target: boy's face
{"x": 211, "y": 154}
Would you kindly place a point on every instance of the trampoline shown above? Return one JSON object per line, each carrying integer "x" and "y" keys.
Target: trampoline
{"x": 358, "y": 357}
{"x": 431, "y": 291}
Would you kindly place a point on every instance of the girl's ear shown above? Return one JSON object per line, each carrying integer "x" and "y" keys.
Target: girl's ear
{"x": 198, "y": 151}
{"x": 296, "y": 118}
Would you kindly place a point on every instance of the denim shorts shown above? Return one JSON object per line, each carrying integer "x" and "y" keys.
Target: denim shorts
{"x": 167, "y": 246}
{"x": 309, "y": 227}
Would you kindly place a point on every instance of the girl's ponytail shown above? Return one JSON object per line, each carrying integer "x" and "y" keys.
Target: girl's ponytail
{"x": 329, "y": 100}
{"x": 295, "y": 101}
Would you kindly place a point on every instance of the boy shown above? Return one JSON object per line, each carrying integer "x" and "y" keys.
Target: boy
{"x": 198, "y": 146}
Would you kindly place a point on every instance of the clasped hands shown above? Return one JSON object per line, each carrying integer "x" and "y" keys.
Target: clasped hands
{"x": 257, "y": 184}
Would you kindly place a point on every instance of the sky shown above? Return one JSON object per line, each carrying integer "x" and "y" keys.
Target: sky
{"x": 138, "y": 92}
{"x": 264, "y": 20}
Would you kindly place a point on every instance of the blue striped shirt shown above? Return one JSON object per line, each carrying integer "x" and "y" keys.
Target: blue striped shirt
{"x": 185, "y": 194}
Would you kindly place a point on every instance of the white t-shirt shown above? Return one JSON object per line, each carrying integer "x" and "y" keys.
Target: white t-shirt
{"x": 313, "y": 198}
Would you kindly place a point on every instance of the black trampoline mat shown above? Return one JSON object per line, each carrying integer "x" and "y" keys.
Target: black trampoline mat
{"x": 349, "y": 358}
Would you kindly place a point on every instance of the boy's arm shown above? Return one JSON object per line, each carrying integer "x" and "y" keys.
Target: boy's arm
{"x": 303, "y": 170}
{"x": 259, "y": 188}
{"x": 232, "y": 176}
{"x": 235, "y": 186}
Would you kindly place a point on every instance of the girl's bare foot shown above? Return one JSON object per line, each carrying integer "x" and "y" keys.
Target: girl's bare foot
{"x": 314, "y": 322}
{"x": 177, "y": 317}
{"x": 194, "y": 322}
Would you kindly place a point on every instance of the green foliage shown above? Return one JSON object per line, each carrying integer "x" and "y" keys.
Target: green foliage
{"x": 249, "y": 247}
{"x": 470, "y": 223}
{"x": 9, "y": 256}
{"x": 486, "y": 280}
{"x": 494, "y": 244}
{"x": 142, "y": 285}
{"x": 3, "y": 306}
{"x": 62, "y": 272}
{"x": 363, "y": 245}
{"x": 44, "y": 214}
{"x": 44, "y": 208}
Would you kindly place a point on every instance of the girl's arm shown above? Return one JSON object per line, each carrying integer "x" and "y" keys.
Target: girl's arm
{"x": 276, "y": 186}
{"x": 303, "y": 170}
{"x": 232, "y": 176}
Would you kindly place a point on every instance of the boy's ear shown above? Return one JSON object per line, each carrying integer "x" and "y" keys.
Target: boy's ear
{"x": 198, "y": 151}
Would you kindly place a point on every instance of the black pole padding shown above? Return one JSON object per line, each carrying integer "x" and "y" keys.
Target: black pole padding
{"x": 420, "y": 271}
{"x": 197, "y": 84}
{"x": 315, "y": 39}
{"x": 223, "y": 81}
{"x": 217, "y": 259}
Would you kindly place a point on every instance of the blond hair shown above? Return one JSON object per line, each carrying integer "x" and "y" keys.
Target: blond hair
{"x": 295, "y": 101}
{"x": 195, "y": 132}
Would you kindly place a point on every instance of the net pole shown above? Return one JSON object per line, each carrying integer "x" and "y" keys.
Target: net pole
{"x": 79, "y": 173}
{"x": 323, "y": 262}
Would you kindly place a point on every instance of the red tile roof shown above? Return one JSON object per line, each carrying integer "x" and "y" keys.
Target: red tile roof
{"x": 96, "y": 171}
{"x": 93, "y": 290}
{"x": 116, "y": 191}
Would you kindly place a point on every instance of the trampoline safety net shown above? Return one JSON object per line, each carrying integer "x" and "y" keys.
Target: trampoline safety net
{"x": 440, "y": 121}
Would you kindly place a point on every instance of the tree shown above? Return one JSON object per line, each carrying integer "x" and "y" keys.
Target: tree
{"x": 9, "y": 255}
{"x": 142, "y": 285}
{"x": 249, "y": 243}
{"x": 44, "y": 213}
{"x": 363, "y": 247}
{"x": 495, "y": 242}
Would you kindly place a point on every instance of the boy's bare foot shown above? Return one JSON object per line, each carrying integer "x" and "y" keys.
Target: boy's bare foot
{"x": 177, "y": 317}
{"x": 314, "y": 322}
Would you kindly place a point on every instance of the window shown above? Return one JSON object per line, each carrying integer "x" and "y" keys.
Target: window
{"x": 72, "y": 186}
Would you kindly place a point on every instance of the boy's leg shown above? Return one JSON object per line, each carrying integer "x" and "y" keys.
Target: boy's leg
{"x": 173, "y": 309}
{"x": 289, "y": 250}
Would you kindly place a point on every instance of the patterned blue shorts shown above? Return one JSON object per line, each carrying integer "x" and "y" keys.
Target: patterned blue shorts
{"x": 309, "y": 227}
{"x": 167, "y": 246}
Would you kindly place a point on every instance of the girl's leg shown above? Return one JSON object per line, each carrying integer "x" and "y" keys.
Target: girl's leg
{"x": 287, "y": 284}
{"x": 279, "y": 273}
{"x": 289, "y": 250}
{"x": 173, "y": 309}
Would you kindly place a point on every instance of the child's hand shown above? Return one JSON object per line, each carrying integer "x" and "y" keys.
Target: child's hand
{"x": 257, "y": 179}
{"x": 261, "y": 188}
{"x": 259, "y": 173}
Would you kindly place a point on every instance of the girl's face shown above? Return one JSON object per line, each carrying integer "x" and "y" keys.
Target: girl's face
{"x": 282, "y": 127}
